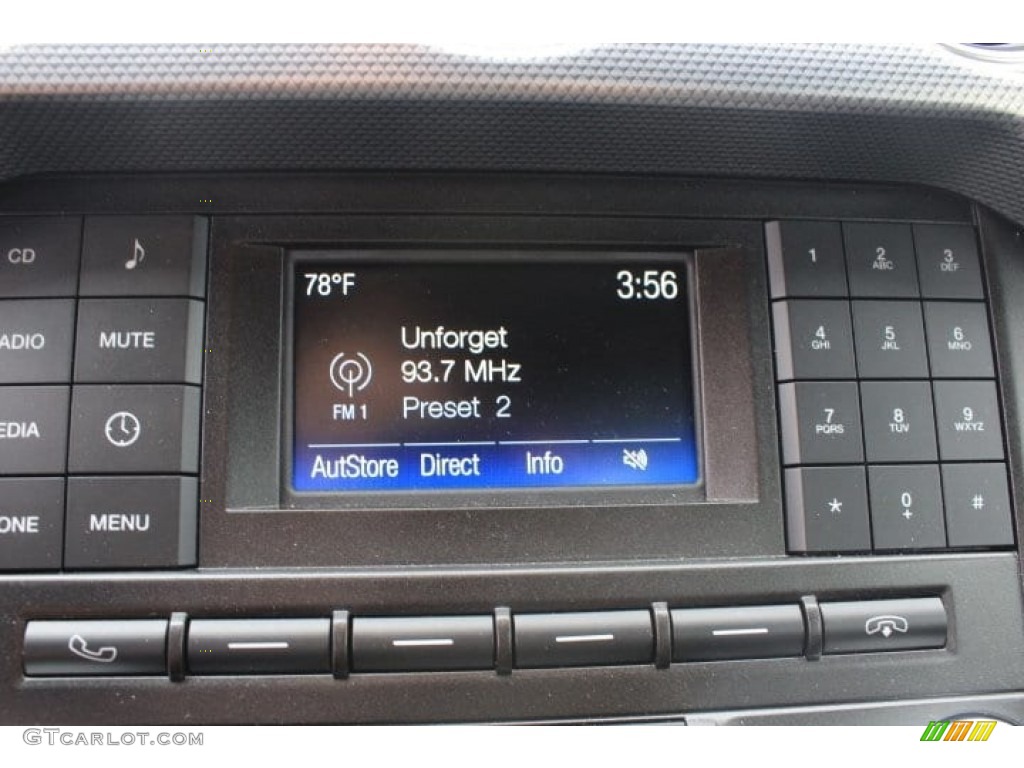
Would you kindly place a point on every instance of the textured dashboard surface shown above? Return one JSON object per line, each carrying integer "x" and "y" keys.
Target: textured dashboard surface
{"x": 910, "y": 113}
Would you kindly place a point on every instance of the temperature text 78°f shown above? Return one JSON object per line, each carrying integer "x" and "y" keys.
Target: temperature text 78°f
{"x": 329, "y": 283}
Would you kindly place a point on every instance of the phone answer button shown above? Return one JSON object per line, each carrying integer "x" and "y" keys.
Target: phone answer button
{"x": 92, "y": 648}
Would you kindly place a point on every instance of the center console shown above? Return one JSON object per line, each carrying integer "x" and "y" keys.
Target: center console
{"x": 447, "y": 448}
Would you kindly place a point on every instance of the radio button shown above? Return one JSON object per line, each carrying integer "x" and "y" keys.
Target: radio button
{"x": 899, "y": 423}
{"x": 967, "y": 413}
{"x": 148, "y": 428}
{"x": 906, "y": 508}
{"x": 820, "y": 423}
{"x": 805, "y": 258}
{"x": 422, "y": 643}
{"x": 757, "y": 632}
{"x": 131, "y": 522}
{"x": 583, "y": 639}
{"x": 39, "y": 256}
{"x": 827, "y": 510}
{"x": 958, "y": 340}
{"x": 259, "y": 646}
{"x": 35, "y": 341}
{"x": 33, "y": 430}
{"x": 883, "y": 625}
{"x": 977, "y": 505}
{"x": 136, "y": 341}
{"x": 881, "y": 262}
{"x": 813, "y": 340}
{"x": 144, "y": 256}
{"x": 890, "y": 342}
{"x": 947, "y": 262}
{"x": 31, "y": 523}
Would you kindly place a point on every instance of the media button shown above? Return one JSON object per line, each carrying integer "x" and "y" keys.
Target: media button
{"x": 33, "y": 430}
{"x": 35, "y": 341}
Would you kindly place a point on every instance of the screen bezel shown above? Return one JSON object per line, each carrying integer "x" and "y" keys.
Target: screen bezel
{"x": 498, "y": 497}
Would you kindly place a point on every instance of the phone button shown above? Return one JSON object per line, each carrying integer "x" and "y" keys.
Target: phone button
{"x": 95, "y": 648}
{"x": 873, "y": 626}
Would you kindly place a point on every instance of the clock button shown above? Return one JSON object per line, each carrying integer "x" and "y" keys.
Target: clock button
{"x": 140, "y": 428}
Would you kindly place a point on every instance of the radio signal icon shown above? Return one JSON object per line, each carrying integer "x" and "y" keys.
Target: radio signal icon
{"x": 351, "y": 374}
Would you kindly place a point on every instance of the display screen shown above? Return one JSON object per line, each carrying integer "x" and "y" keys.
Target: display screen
{"x": 487, "y": 374}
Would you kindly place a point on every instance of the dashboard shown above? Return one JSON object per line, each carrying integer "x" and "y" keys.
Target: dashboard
{"x": 434, "y": 389}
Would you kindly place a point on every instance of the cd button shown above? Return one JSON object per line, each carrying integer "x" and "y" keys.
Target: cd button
{"x": 758, "y": 632}
{"x": 31, "y": 523}
{"x": 259, "y": 646}
{"x": 881, "y": 261}
{"x": 131, "y": 522}
{"x": 827, "y": 510}
{"x": 35, "y": 341}
{"x": 33, "y": 430}
{"x": 583, "y": 639}
{"x": 144, "y": 256}
{"x": 39, "y": 256}
{"x": 154, "y": 340}
{"x": 814, "y": 340}
{"x": 422, "y": 644}
{"x": 147, "y": 428}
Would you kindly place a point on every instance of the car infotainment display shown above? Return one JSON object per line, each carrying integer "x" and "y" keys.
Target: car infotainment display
{"x": 425, "y": 372}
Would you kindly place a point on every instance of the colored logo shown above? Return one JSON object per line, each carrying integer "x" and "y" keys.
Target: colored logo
{"x": 958, "y": 730}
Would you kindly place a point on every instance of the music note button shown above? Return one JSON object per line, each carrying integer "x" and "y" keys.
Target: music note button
{"x": 138, "y": 254}
{"x": 144, "y": 256}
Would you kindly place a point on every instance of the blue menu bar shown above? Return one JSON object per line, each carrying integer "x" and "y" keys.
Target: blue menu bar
{"x": 511, "y": 464}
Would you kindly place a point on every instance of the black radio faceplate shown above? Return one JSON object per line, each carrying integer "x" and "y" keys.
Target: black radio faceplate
{"x": 708, "y": 606}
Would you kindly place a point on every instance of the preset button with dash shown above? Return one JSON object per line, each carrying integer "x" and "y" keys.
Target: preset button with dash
{"x": 583, "y": 639}
{"x": 755, "y": 632}
{"x": 422, "y": 643}
{"x": 259, "y": 646}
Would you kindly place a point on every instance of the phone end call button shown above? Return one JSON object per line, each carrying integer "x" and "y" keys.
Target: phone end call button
{"x": 872, "y": 626}
{"x": 95, "y": 648}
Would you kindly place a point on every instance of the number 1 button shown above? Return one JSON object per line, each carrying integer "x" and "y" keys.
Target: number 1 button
{"x": 805, "y": 259}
